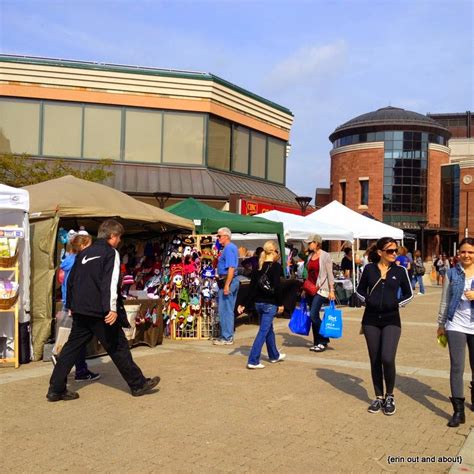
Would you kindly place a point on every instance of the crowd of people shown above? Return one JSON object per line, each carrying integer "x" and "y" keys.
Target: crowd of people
{"x": 91, "y": 295}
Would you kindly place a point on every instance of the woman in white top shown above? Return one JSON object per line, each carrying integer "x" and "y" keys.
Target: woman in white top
{"x": 456, "y": 320}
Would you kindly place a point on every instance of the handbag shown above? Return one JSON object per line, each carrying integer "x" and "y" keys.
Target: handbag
{"x": 300, "y": 322}
{"x": 264, "y": 283}
{"x": 309, "y": 288}
{"x": 331, "y": 325}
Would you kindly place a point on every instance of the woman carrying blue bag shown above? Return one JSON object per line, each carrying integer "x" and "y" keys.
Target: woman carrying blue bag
{"x": 264, "y": 287}
{"x": 379, "y": 288}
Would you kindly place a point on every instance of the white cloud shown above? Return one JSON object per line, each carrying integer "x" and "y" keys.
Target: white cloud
{"x": 308, "y": 65}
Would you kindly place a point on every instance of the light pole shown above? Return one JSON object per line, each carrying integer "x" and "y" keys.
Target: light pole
{"x": 303, "y": 202}
{"x": 162, "y": 197}
{"x": 422, "y": 224}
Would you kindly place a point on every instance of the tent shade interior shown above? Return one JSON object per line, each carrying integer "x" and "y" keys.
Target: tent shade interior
{"x": 71, "y": 202}
{"x": 361, "y": 226}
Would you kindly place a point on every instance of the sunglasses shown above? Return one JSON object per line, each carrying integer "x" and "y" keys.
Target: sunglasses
{"x": 390, "y": 251}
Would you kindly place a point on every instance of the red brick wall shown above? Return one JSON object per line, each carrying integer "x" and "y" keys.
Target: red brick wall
{"x": 466, "y": 203}
{"x": 355, "y": 164}
{"x": 436, "y": 158}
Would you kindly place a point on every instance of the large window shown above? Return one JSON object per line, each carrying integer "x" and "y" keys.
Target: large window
{"x": 276, "y": 160}
{"x": 450, "y": 176}
{"x": 102, "y": 132}
{"x": 258, "y": 155}
{"x": 143, "y": 136}
{"x": 342, "y": 188}
{"x": 19, "y": 126}
{"x": 240, "y": 149}
{"x": 62, "y": 130}
{"x": 183, "y": 138}
{"x": 218, "y": 144}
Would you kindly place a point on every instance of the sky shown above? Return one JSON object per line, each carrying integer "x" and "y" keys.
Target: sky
{"x": 326, "y": 60}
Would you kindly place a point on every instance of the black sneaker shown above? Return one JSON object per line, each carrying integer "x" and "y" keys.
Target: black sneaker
{"x": 376, "y": 405}
{"x": 66, "y": 395}
{"x": 389, "y": 406}
{"x": 87, "y": 377}
{"x": 149, "y": 384}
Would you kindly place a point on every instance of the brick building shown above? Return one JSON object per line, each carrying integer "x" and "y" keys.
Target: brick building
{"x": 388, "y": 163}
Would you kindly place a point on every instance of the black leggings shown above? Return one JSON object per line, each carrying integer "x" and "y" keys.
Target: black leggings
{"x": 457, "y": 342}
{"x": 382, "y": 344}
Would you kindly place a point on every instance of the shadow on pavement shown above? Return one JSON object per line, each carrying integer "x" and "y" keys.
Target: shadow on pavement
{"x": 293, "y": 340}
{"x": 420, "y": 392}
{"x": 344, "y": 382}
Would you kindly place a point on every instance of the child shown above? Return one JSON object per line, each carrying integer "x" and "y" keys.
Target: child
{"x": 78, "y": 243}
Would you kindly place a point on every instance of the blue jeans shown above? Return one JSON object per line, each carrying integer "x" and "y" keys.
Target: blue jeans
{"x": 419, "y": 279}
{"x": 226, "y": 306}
{"x": 265, "y": 334}
{"x": 316, "y": 304}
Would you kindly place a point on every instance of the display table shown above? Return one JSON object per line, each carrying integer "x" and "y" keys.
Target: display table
{"x": 146, "y": 333}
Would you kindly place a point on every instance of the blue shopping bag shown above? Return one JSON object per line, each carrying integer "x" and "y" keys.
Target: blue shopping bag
{"x": 331, "y": 325}
{"x": 300, "y": 323}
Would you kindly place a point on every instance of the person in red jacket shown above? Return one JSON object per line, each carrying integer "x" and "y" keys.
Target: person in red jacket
{"x": 93, "y": 297}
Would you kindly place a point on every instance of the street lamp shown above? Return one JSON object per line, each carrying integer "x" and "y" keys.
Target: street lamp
{"x": 303, "y": 202}
{"x": 422, "y": 225}
{"x": 162, "y": 197}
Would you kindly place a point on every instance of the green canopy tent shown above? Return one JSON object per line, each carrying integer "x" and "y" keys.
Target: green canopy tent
{"x": 209, "y": 220}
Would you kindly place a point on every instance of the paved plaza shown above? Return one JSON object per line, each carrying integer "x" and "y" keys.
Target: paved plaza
{"x": 306, "y": 414}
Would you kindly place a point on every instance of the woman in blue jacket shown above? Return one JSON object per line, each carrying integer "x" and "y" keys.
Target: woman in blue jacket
{"x": 384, "y": 287}
{"x": 456, "y": 321}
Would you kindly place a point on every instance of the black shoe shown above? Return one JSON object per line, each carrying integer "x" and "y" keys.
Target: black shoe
{"x": 66, "y": 395}
{"x": 458, "y": 415}
{"x": 149, "y": 384}
{"x": 389, "y": 405}
{"x": 375, "y": 406}
{"x": 87, "y": 377}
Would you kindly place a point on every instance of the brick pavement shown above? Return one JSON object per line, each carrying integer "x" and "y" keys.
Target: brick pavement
{"x": 307, "y": 414}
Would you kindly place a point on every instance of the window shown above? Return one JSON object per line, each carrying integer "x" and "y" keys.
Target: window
{"x": 364, "y": 192}
{"x": 62, "y": 130}
{"x": 218, "y": 144}
{"x": 342, "y": 187}
{"x": 102, "y": 132}
{"x": 276, "y": 160}
{"x": 183, "y": 138}
{"x": 240, "y": 149}
{"x": 258, "y": 154}
{"x": 143, "y": 136}
{"x": 19, "y": 127}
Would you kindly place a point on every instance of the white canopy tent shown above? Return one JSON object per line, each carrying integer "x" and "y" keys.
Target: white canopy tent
{"x": 361, "y": 226}
{"x": 299, "y": 228}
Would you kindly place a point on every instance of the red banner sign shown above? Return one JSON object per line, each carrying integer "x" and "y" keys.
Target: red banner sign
{"x": 251, "y": 208}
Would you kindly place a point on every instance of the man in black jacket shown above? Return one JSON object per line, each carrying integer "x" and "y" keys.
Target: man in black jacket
{"x": 92, "y": 295}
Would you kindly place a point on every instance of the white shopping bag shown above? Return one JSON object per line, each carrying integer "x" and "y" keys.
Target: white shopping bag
{"x": 64, "y": 324}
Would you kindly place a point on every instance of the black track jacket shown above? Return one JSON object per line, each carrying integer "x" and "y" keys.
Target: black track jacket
{"x": 93, "y": 282}
{"x": 381, "y": 296}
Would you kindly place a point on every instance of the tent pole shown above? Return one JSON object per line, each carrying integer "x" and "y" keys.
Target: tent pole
{"x": 353, "y": 266}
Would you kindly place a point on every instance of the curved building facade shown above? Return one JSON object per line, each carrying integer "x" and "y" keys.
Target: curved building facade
{"x": 388, "y": 163}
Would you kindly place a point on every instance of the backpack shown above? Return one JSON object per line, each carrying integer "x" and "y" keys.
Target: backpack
{"x": 419, "y": 268}
{"x": 264, "y": 282}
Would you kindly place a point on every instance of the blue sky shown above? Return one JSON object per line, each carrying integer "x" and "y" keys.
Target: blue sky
{"x": 327, "y": 61}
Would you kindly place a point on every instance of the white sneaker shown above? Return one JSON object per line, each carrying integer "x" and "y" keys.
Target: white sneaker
{"x": 258, "y": 366}
{"x": 280, "y": 358}
{"x": 420, "y": 294}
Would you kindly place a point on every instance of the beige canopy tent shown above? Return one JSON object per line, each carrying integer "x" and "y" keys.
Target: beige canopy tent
{"x": 74, "y": 202}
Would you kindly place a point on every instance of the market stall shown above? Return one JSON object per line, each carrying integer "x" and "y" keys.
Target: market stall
{"x": 70, "y": 202}
{"x": 14, "y": 276}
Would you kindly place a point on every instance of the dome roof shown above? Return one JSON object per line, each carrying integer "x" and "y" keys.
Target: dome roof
{"x": 389, "y": 118}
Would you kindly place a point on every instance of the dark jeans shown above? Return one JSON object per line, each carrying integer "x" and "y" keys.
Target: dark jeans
{"x": 315, "y": 308}
{"x": 382, "y": 343}
{"x": 112, "y": 339}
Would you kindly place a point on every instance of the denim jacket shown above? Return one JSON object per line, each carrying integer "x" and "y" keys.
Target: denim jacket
{"x": 453, "y": 289}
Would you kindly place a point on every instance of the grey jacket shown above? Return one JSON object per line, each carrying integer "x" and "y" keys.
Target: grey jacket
{"x": 326, "y": 277}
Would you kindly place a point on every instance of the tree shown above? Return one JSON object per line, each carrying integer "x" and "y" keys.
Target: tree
{"x": 22, "y": 170}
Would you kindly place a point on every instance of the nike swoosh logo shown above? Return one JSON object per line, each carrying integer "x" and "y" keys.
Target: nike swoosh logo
{"x": 85, "y": 259}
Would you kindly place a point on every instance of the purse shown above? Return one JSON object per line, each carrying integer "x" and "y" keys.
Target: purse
{"x": 309, "y": 288}
{"x": 264, "y": 283}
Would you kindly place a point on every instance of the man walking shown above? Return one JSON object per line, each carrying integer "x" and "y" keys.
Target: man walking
{"x": 228, "y": 285}
{"x": 92, "y": 298}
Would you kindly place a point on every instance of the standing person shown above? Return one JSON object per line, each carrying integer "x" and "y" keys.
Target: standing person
{"x": 318, "y": 270}
{"x": 92, "y": 298}
{"x": 379, "y": 287}
{"x": 228, "y": 286}
{"x": 418, "y": 272}
{"x": 78, "y": 243}
{"x": 443, "y": 267}
{"x": 456, "y": 320}
{"x": 346, "y": 263}
{"x": 264, "y": 295}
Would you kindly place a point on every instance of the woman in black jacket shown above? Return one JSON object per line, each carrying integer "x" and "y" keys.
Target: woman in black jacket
{"x": 378, "y": 288}
{"x": 264, "y": 287}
